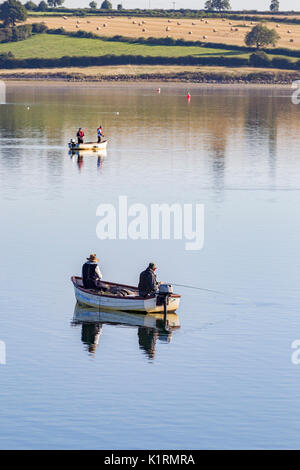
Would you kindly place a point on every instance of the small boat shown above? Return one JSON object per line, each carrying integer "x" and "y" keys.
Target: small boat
{"x": 92, "y": 146}
{"x": 124, "y": 298}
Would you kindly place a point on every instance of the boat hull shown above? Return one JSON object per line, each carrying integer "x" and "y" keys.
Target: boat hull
{"x": 91, "y": 146}
{"x": 133, "y": 303}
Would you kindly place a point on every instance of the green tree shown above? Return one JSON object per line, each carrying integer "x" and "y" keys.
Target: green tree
{"x": 261, "y": 36}
{"x": 209, "y": 5}
{"x": 93, "y": 5}
{"x": 42, "y": 6}
{"x": 120, "y": 6}
{"x": 274, "y": 5}
{"x": 106, "y": 5}
{"x": 30, "y": 6}
{"x": 11, "y": 12}
{"x": 55, "y": 3}
{"x": 217, "y": 5}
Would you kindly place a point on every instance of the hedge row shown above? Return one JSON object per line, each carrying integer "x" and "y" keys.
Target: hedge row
{"x": 257, "y": 60}
{"x": 17, "y": 33}
{"x": 251, "y": 15}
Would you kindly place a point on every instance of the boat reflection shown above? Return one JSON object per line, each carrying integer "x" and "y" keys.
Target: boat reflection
{"x": 79, "y": 157}
{"x": 151, "y": 327}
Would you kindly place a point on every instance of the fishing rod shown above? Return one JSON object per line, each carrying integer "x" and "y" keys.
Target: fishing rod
{"x": 214, "y": 292}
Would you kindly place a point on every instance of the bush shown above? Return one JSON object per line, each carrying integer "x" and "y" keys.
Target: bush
{"x": 39, "y": 28}
{"x": 17, "y": 33}
{"x": 30, "y": 6}
{"x": 259, "y": 59}
{"x": 282, "y": 63}
{"x": 42, "y": 6}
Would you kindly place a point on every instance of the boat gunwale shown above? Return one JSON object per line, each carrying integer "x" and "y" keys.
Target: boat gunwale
{"x": 129, "y": 297}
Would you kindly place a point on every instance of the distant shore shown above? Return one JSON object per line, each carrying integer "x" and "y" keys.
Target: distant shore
{"x": 143, "y": 74}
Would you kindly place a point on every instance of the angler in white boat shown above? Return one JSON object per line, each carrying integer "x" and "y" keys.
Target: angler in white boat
{"x": 148, "y": 284}
{"x": 91, "y": 274}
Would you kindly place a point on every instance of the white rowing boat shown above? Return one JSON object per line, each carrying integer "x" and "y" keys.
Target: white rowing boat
{"x": 122, "y": 297}
{"x": 92, "y": 146}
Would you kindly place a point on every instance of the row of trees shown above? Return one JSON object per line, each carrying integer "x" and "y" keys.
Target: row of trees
{"x": 221, "y": 5}
{"x": 42, "y": 6}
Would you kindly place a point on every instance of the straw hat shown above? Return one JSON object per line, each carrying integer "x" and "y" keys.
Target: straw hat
{"x": 93, "y": 258}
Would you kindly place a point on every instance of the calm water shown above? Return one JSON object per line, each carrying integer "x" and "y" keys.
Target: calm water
{"x": 225, "y": 379}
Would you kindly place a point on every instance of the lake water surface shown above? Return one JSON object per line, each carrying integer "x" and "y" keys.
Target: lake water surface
{"x": 225, "y": 378}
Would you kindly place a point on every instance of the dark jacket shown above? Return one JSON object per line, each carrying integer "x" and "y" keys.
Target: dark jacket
{"x": 89, "y": 275}
{"x": 148, "y": 283}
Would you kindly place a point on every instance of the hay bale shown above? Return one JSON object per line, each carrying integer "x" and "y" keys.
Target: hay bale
{"x": 278, "y": 26}
{"x": 215, "y": 30}
{"x": 143, "y": 30}
{"x": 190, "y": 32}
{"x": 168, "y": 28}
{"x": 193, "y": 24}
{"x": 291, "y": 40}
{"x": 134, "y": 22}
{"x": 169, "y": 21}
{"x": 289, "y": 31}
{"x": 178, "y": 23}
{"x": 204, "y": 37}
{"x": 104, "y": 25}
{"x": 236, "y": 29}
{"x": 98, "y": 28}
{"x": 77, "y": 26}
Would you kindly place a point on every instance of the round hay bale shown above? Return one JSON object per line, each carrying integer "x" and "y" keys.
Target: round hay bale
{"x": 168, "y": 28}
{"x": 190, "y": 32}
{"x": 104, "y": 25}
{"x": 291, "y": 40}
{"x": 204, "y": 37}
{"x": 178, "y": 23}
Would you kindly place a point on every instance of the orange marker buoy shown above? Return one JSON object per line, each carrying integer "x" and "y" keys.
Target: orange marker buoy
{"x": 188, "y": 96}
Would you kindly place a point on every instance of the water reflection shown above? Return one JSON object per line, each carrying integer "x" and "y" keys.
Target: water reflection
{"x": 2, "y": 92}
{"x": 79, "y": 157}
{"x": 150, "y": 327}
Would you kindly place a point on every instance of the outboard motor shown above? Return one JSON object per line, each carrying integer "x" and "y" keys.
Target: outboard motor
{"x": 164, "y": 291}
{"x": 71, "y": 143}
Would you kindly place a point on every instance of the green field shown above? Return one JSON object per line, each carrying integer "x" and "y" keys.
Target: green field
{"x": 55, "y": 46}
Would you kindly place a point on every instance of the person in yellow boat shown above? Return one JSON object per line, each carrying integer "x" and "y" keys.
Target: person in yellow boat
{"x": 100, "y": 133}
{"x": 80, "y": 135}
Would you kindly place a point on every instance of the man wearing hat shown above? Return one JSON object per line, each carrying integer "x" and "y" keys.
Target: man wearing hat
{"x": 91, "y": 274}
{"x": 148, "y": 284}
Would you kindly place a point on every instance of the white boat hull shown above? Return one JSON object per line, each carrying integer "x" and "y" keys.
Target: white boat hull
{"x": 91, "y": 146}
{"x": 131, "y": 303}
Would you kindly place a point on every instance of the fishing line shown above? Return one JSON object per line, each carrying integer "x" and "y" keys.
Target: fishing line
{"x": 215, "y": 292}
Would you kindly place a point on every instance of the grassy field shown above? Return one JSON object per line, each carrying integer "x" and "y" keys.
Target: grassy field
{"x": 54, "y": 46}
{"x": 215, "y": 30}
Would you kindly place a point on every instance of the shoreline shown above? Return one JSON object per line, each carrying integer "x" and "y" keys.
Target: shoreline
{"x": 267, "y": 78}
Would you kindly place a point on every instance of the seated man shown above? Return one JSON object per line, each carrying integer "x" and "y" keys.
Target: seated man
{"x": 148, "y": 284}
{"x": 91, "y": 274}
